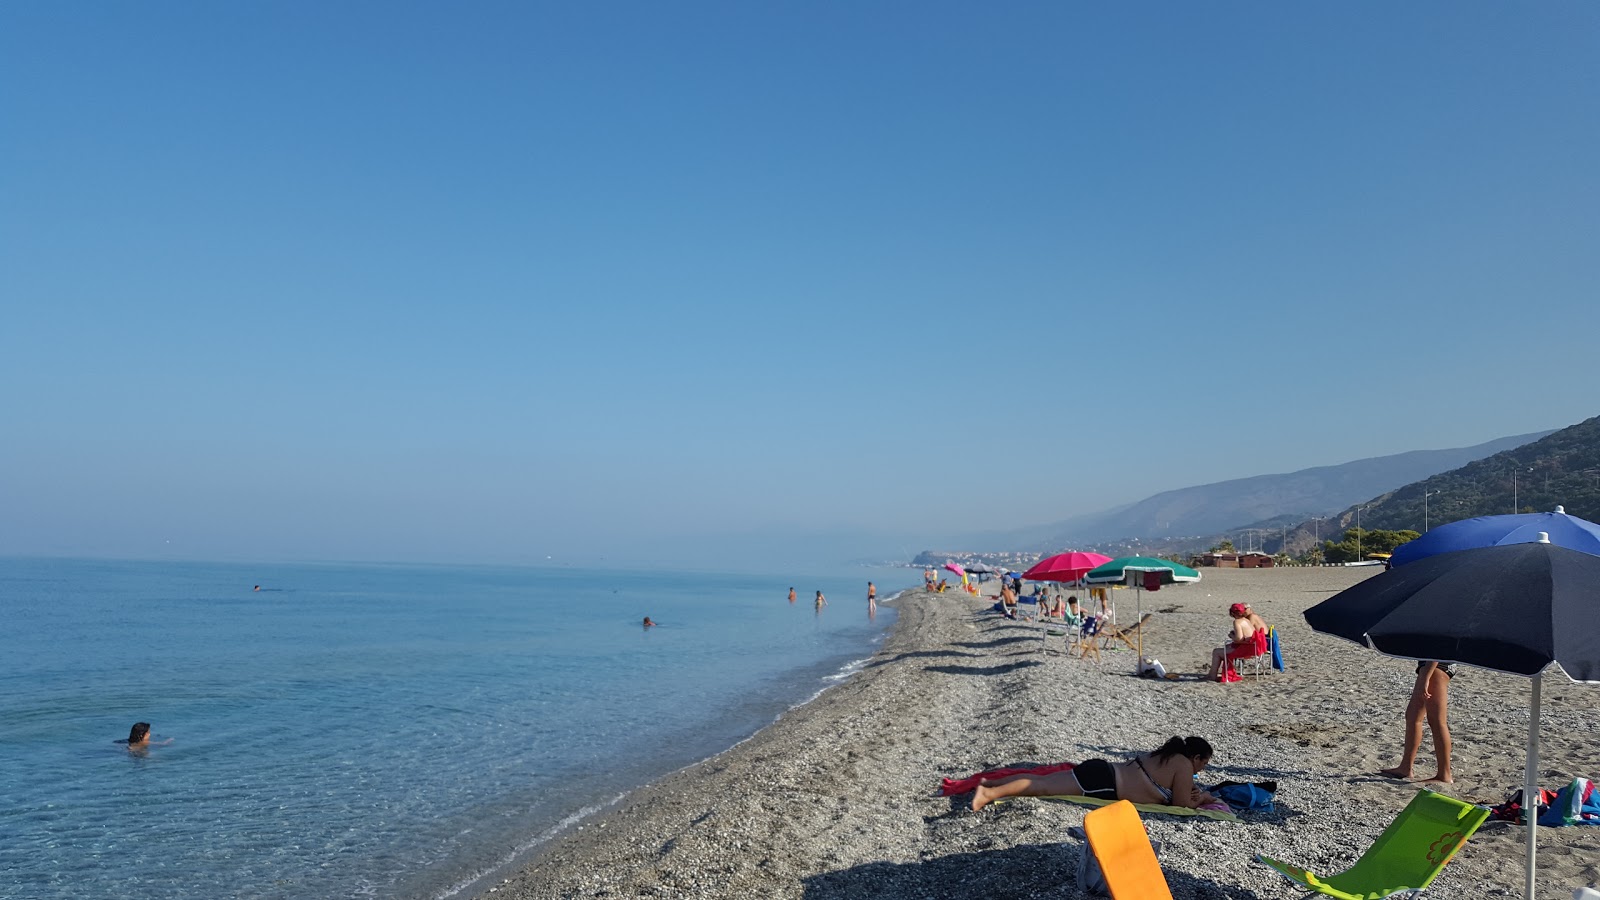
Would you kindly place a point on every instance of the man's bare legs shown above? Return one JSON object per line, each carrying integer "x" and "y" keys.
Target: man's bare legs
{"x": 1052, "y": 785}
{"x": 1429, "y": 697}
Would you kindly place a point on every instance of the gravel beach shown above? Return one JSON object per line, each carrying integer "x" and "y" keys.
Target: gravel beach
{"x": 837, "y": 799}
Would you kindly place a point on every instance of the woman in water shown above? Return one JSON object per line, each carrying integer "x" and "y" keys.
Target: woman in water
{"x": 1164, "y": 776}
{"x": 139, "y": 737}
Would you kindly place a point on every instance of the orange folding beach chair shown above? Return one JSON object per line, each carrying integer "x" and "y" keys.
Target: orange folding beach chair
{"x": 1128, "y": 862}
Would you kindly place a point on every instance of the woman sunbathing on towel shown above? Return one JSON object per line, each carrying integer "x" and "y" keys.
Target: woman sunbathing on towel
{"x": 1164, "y": 776}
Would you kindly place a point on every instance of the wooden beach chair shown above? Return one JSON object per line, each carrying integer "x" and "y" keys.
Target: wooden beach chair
{"x": 1089, "y": 638}
{"x": 1126, "y": 635}
{"x": 1127, "y": 861}
{"x": 1405, "y": 859}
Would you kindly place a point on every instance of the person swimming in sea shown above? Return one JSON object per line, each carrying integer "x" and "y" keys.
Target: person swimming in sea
{"x": 648, "y": 623}
{"x": 139, "y": 738}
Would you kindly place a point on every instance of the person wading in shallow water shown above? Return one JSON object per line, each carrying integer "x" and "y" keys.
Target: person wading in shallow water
{"x": 1429, "y": 696}
{"x": 872, "y": 600}
{"x": 791, "y": 595}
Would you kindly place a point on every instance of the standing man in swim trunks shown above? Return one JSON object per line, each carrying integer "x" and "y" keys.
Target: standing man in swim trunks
{"x": 872, "y": 600}
{"x": 1429, "y": 696}
{"x": 791, "y": 595}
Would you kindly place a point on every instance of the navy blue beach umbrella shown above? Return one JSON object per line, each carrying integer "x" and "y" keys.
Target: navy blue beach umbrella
{"x": 1489, "y": 531}
{"x": 1513, "y": 608}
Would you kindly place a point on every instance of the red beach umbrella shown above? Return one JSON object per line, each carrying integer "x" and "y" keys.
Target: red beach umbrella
{"x": 1069, "y": 566}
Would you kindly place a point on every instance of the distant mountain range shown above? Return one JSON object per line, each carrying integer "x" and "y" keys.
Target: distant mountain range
{"x": 1561, "y": 468}
{"x": 1180, "y": 518}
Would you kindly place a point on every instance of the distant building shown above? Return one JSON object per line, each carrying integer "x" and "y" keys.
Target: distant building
{"x": 1255, "y": 560}
{"x": 1216, "y": 560}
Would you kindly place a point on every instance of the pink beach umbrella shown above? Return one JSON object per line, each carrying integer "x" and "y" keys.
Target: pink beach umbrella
{"x": 1069, "y": 566}
{"x": 957, "y": 569}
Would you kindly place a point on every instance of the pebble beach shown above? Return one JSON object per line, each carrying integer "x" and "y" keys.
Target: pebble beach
{"x": 838, "y": 798}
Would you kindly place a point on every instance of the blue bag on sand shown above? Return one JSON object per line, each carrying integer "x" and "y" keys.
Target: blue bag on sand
{"x": 1245, "y": 796}
{"x": 1277, "y": 654}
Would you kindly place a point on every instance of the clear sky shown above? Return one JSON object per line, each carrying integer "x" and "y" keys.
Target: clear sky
{"x": 627, "y": 281}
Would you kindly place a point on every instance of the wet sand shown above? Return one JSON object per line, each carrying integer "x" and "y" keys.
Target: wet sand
{"x": 837, "y": 799}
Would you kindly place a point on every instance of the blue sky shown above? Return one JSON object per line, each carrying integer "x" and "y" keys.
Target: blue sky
{"x": 499, "y": 282}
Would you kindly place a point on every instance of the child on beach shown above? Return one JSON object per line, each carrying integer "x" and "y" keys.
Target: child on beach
{"x": 1430, "y": 695}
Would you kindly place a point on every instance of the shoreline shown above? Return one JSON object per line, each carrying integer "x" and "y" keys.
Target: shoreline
{"x": 835, "y": 798}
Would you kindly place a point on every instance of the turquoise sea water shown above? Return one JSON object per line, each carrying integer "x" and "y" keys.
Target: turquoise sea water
{"x": 371, "y": 730}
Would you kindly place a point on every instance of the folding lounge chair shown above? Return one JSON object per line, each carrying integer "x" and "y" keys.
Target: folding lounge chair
{"x": 1128, "y": 862}
{"x": 1405, "y": 859}
{"x": 1258, "y": 659}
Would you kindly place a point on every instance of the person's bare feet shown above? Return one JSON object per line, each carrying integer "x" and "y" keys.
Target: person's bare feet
{"x": 1441, "y": 778}
{"x": 981, "y": 798}
{"x": 1396, "y": 772}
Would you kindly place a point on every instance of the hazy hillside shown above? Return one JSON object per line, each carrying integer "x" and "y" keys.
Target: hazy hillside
{"x": 1212, "y": 508}
{"x": 1562, "y": 468}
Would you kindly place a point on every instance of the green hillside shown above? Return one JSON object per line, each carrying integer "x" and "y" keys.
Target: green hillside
{"x": 1560, "y": 469}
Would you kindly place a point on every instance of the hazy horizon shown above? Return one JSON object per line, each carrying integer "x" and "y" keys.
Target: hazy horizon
{"x": 511, "y": 283}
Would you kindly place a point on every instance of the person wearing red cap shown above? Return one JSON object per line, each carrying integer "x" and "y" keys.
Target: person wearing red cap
{"x": 1241, "y": 638}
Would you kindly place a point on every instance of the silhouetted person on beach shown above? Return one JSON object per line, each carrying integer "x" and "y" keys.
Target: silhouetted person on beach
{"x": 1429, "y": 696}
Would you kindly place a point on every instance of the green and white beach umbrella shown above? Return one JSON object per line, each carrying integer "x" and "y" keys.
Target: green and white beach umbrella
{"x": 1131, "y": 570}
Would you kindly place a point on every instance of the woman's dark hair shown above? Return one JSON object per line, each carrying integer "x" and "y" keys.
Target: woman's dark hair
{"x": 138, "y": 731}
{"x": 1190, "y": 747}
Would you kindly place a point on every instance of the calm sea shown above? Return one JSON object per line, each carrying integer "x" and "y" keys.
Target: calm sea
{"x": 377, "y": 731}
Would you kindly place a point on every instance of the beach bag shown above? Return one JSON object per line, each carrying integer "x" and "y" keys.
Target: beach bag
{"x": 1245, "y": 796}
{"x": 1092, "y": 881}
{"x": 1511, "y": 810}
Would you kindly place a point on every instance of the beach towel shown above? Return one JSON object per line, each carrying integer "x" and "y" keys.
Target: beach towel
{"x": 1575, "y": 804}
{"x": 952, "y": 786}
{"x": 1277, "y": 652}
{"x": 1205, "y": 812}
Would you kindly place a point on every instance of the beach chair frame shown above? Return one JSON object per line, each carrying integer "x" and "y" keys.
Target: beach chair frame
{"x": 1405, "y": 858}
{"x": 1127, "y": 860}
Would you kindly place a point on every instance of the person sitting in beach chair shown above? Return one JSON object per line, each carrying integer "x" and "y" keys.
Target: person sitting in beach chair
{"x": 1245, "y": 640}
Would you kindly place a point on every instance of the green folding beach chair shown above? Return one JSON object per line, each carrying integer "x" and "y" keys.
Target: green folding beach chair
{"x": 1405, "y": 859}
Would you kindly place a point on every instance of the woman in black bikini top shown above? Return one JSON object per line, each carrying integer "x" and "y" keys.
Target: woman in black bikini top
{"x": 1164, "y": 776}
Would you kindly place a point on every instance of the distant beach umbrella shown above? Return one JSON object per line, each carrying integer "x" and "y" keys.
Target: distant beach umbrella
{"x": 1140, "y": 571}
{"x": 1512, "y": 608}
{"x": 956, "y": 569}
{"x": 1491, "y": 531}
{"x": 1069, "y": 566}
